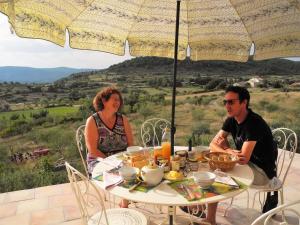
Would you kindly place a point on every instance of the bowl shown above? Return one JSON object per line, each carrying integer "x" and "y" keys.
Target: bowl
{"x": 221, "y": 160}
{"x": 133, "y": 150}
{"x": 128, "y": 173}
{"x": 204, "y": 179}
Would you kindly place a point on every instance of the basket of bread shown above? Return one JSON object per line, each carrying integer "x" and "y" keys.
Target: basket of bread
{"x": 137, "y": 160}
{"x": 221, "y": 160}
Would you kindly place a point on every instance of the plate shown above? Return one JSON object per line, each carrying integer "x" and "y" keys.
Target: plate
{"x": 169, "y": 176}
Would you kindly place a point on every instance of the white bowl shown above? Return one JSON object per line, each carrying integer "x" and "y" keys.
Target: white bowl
{"x": 204, "y": 179}
{"x": 128, "y": 173}
{"x": 133, "y": 149}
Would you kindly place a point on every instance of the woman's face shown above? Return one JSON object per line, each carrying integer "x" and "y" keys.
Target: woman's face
{"x": 113, "y": 103}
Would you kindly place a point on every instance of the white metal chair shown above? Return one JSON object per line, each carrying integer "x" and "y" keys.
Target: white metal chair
{"x": 92, "y": 200}
{"x": 82, "y": 149}
{"x": 152, "y": 131}
{"x": 286, "y": 140}
{"x": 266, "y": 218}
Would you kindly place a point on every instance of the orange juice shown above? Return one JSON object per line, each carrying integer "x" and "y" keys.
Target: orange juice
{"x": 157, "y": 152}
{"x": 166, "y": 150}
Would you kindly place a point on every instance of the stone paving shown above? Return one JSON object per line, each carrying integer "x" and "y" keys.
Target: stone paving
{"x": 57, "y": 205}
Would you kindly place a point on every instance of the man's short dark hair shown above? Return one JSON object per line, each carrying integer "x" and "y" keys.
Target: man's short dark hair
{"x": 241, "y": 91}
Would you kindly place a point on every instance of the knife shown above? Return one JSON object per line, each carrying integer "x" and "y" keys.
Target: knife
{"x": 131, "y": 189}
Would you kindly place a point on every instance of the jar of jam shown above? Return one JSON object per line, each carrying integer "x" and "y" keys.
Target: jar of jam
{"x": 182, "y": 155}
{"x": 193, "y": 164}
{"x": 175, "y": 163}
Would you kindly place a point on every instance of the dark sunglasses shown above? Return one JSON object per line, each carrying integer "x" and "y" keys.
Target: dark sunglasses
{"x": 229, "y": 101}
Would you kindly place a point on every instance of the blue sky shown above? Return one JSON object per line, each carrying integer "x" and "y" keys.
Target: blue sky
{"x": 15, "y": 51}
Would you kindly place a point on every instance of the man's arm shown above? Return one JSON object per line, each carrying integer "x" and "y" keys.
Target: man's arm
{"x": 246, "y": 152}
{"x": 219, "y": 142}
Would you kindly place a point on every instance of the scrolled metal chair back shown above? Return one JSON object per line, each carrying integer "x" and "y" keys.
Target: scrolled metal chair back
{"x": 286, "y": 140}
{"x": 82, "y": 149}
{"x": 152, "y": 131}
{"x": 86, "y": 199}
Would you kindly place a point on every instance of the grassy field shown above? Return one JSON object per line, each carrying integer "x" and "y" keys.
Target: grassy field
{"x": 54, "y": 111}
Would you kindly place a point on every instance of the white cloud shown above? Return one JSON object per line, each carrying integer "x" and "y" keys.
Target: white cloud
{"x": 15, "y": 51}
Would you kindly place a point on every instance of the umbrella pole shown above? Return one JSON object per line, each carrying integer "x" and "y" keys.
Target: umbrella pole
{"x": 173, "y": 128}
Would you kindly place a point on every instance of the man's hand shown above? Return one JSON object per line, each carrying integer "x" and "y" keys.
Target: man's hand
{"x": 222, "y": 142}
{"x": 242, "y": 159}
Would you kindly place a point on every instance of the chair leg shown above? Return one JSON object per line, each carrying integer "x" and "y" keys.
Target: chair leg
{"x": 226, "y": 210}
{"x": 282, "y": 202}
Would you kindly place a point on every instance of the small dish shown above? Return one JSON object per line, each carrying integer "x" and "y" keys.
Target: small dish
{"x": 128, "y": 173}
{"x": 204, "y": 179}
{"x": 174, "y": 176}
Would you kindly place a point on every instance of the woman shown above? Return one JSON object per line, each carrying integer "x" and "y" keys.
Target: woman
{"x": 107, "y": 131}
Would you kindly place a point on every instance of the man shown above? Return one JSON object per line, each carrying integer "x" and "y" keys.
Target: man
{"x": 253, "y": 140}
{"x": 254, "y": 144}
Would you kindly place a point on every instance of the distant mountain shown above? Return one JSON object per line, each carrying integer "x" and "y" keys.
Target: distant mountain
{"x": 164, "y": 66}
{"x": 35, "y": 75}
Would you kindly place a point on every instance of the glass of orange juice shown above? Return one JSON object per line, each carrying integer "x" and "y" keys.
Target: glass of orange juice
{"x": 166, "y": 150}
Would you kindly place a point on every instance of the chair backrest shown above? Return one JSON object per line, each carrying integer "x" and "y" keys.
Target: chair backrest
{"x": 82, "y": 149}
{"x": 286, "y": 140}
{"x": 282, "y": 208}
{"x": 86, "y": 199}
{"x": 152, "y": 131}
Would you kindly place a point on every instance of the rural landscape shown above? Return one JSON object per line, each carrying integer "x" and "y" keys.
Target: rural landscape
{"x": 38, "y": 120}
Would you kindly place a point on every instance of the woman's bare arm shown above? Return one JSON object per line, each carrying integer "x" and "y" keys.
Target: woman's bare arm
{"x": 91, "y": 138}
{"x": 128, "y": 131}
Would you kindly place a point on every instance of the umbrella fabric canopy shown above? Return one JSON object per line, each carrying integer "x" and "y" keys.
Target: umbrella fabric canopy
{"x": 214, "y": 29}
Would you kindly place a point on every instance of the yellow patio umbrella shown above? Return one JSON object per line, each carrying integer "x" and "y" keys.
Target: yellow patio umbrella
{"x": 213, "y": 29}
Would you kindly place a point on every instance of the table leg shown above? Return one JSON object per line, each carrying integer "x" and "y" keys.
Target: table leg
{"x": 171, "y": 213}
{"x": 171, "y": 216}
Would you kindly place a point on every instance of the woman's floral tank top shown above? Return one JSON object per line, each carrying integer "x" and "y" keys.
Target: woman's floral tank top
{"x": 112, "y": 140}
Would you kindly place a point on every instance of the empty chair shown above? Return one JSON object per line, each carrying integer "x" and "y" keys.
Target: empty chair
{"x": 286, "y": 140}
{"x": 152, "y": 131}
{"x": 92, "y": 201}
{"x": 266, "y": 218}
{"x": 82, "y": 149}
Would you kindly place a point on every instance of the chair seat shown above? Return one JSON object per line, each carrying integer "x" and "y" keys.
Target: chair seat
{"x": 275, "y": 185}
{"x": 120, "y": 216}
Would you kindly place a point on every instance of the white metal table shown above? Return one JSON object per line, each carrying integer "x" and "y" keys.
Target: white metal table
{"x": 164, "y": 195}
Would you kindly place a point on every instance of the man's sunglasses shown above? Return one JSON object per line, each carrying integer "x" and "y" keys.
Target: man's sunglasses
{"x": 229, "y": 101}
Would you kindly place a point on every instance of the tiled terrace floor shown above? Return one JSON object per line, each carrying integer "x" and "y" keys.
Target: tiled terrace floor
{"x": 57, "y": 205}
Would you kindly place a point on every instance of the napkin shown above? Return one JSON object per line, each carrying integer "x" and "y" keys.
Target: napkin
{"x": 111, "y": 161}
{"x": 225, "y": 179}
{"x": 111, "y": 179}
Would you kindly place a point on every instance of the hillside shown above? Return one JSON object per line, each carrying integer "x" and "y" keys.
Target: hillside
{"x": 35, "y": 75}
{"x": 156, "y": 66}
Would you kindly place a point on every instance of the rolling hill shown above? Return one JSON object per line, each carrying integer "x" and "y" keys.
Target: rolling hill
{"x": 35, "y": 75}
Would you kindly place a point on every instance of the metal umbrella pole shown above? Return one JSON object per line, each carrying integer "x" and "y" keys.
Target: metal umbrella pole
{"x": 173, "y": 128}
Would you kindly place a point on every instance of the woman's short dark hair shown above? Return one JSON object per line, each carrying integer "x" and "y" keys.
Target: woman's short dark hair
{"x": 241, "y": 91}
{"x": 105, "y": 94}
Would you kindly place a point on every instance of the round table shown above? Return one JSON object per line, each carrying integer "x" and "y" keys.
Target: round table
{"x": 164, "y": 195}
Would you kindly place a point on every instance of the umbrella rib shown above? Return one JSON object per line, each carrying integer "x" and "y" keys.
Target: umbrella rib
{"x": 243, "y": 24}
{"x": 80, "y": 13}
{"x": 134, "y": 23}
{"x": 188, "y": 25}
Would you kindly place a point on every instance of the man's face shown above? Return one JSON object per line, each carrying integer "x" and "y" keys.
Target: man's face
{"x": 233, "y": 105}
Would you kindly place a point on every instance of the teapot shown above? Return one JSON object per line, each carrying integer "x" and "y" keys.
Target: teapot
{"x": 152, "y": 174}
